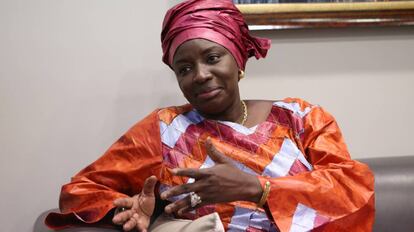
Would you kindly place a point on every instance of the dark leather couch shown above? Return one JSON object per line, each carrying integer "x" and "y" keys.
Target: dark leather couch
{"x": 394, "y": 187}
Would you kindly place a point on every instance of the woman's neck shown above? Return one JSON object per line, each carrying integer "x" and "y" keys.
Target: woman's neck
{"x": 258, "y": 112}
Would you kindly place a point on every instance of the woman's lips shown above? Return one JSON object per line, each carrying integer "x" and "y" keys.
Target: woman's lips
{"x": 208, "y": 94}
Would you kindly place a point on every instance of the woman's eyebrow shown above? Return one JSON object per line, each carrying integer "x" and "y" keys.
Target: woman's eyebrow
{"x": 214, "y": 47}
{"x": 182, "y": 60}
{"x": 207, "y": 50}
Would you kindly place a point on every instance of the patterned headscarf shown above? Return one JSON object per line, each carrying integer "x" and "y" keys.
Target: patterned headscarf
{"x": 216, "y": 20}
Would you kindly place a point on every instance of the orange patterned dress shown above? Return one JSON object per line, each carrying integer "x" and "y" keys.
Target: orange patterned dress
{"x": 315, "y": 186}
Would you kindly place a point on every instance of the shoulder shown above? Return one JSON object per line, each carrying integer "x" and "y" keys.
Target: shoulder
{"x": 314, "y": 115}
{"x": 297, "y": 106}
{"x": 168, "y": 114}
{"x": 308, "y": 112}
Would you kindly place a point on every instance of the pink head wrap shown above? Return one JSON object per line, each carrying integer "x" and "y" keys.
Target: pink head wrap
{"x": 216, "y": 20}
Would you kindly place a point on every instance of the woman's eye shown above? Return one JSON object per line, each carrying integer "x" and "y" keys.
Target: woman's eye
{"x": 213, "y": 58}
{"x": 184, "y": 70}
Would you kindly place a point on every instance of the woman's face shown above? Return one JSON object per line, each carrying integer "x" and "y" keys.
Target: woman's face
{"x": 207, "y": 75}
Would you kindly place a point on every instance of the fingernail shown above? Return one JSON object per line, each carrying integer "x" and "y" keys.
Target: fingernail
{"x": 163, "y": 196}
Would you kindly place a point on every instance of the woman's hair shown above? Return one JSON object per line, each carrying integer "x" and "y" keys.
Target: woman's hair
{"x": 216, "y": 20}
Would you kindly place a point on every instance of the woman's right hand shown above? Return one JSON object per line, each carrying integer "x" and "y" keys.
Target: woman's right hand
{"x": 138, "y": 209}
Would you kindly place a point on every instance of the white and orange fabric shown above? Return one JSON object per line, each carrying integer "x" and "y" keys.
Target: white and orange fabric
{"x": 315, "y": 185}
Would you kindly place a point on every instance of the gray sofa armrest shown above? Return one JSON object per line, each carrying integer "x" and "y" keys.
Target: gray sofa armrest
{"x": 394, "y": 192}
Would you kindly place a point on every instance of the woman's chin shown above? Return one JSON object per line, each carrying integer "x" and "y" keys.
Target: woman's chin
{"x": 210, "y": 107}
{"x": 214, "y": 105}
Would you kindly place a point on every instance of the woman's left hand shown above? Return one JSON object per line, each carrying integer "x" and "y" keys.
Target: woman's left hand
{"x": 221, "y": 183}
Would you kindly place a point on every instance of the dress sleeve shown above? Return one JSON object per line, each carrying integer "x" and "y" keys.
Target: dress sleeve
{"x": 120, "y": 172}
{"x": 336, "y": 195}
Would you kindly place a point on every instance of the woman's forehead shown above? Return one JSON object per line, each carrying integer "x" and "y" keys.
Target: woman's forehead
{"x": 195, "y": 47}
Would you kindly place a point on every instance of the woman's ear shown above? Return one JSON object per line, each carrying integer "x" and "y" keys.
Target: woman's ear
{"x": 241, "y": 74}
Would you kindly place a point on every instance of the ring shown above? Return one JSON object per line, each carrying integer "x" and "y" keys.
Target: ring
{"x": 195, "y": 199}
{"x": 119, "y": 210}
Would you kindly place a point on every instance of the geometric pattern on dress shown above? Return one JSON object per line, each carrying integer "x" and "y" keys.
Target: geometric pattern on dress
{"x": 183, "y": 146}
{"x": 320, "y": 220}
{"x": 194, "y": 116}
{"x": 240, "y": 128}
{"x": 208, "y": 163}
{"x": 250, "y": 220}
{"x": 171, "y": 133}
{"x": 240, "y": 220}
{"x": 303, "y": 219}
{"x": 260, "y": 221}
{"x": 305, "y": 162}
{"x": 294, "y": 107}
{"x": 306, "y": 219}
{"x": 286, "y": 159}
{"x": 298, "y": 167}
{"x": 183, "y": 134}
{"x": 288, "y": 118}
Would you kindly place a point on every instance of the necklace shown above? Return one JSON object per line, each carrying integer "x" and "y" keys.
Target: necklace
{"x": 244, "y": 116}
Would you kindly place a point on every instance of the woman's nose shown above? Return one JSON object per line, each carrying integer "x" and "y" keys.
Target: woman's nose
{"x": 202, "y": 74}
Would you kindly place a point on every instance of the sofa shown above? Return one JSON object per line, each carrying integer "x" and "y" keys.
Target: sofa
{"x": 394, "y": 187}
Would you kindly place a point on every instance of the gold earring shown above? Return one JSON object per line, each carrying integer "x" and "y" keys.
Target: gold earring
{"x": 241, "y": 75}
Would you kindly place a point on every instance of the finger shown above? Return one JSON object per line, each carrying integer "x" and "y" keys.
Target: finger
{"x": 175, "y": 206}
{"x": 216, "y": 155}
{"x": 124, "y": 202}
{"x": 149, "y": 186}
{"x": 180, "y": 189}
{"x": 185, "y": 209}
{"x": 130, "y": 224}
{"x": 122, "y": 217}
{"x": 142, "y": 223}
{"x": 189, "y": 172}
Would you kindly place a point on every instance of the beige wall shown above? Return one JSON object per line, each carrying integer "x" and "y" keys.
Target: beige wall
{"x": 365, "y": 77}
{"x": 74, "y": 75}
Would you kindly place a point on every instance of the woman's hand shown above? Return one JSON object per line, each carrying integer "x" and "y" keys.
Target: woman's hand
{"x": 221, "y": 183}
{"x": 139, "y": 208}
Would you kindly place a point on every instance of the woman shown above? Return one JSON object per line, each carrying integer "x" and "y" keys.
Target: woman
{"x": 261, "y": 165}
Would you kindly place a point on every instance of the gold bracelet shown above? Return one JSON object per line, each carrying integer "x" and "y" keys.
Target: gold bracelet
{"x": 265, "y": 194}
